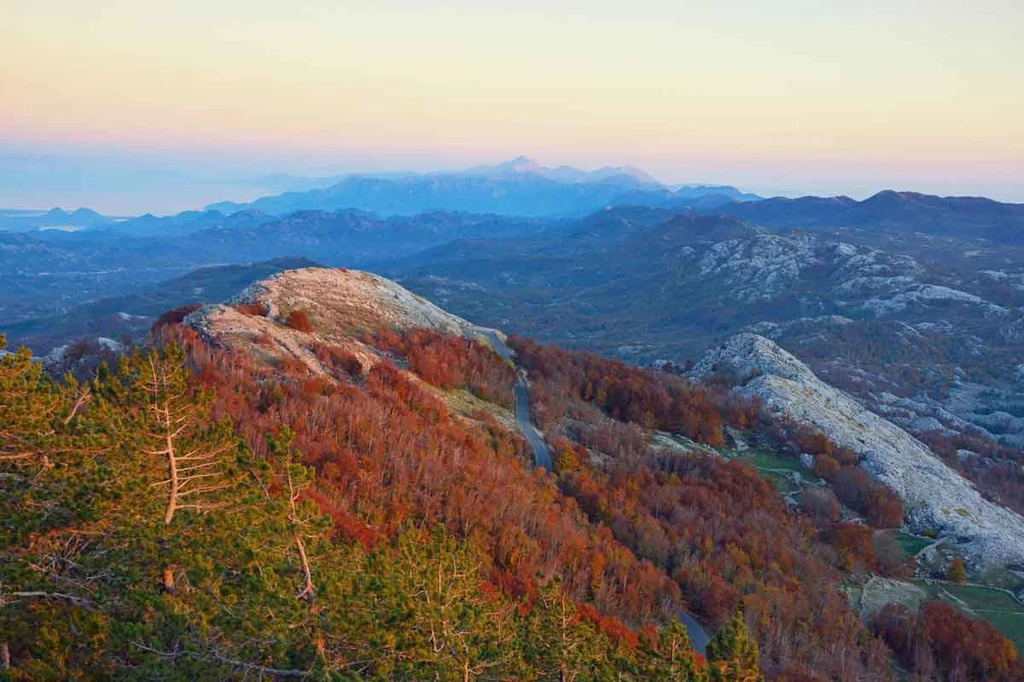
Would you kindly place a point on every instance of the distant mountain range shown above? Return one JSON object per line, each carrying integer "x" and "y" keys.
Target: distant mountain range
{"x": 521, "y": 187}
{"x": 517, "y": 187}
{"x": 16, "y": 220}
{"x": 890, "y": 211}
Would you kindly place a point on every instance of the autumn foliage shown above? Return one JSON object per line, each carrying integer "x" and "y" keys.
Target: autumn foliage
{"x": 629, "y": 394}
{"x": 876, "y": 502}
{"x": 175, "y": 316}
{"x": 452, "y": 362}
{"x": 254, "y": 308}
{"x": 388, "y": 454}
{"x": 299, "y": 321}
{"x": 997, "y": 470}
{"x": 718, "y": 528}
{"x": 939, "y": 642}
{"x": 630, "y": 533}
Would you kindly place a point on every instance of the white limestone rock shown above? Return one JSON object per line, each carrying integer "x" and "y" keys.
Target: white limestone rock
{"x": 934, "y": 496}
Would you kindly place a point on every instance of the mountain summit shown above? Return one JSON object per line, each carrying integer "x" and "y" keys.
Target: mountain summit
{"x": 520, "y": 186}
{"x": 624, "y": 175}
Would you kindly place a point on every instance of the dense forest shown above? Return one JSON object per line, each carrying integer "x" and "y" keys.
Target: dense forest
{"x": 195, "y": 512}
{"x": 725, "y": 535}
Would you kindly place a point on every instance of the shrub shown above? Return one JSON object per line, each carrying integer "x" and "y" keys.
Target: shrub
{"x": 337, "y": 359}
{"x": 821, "y": 506}
{"x": 256, "y": 309}
{"x": 299, "y": 321}
{"x": 825, "y": 467}
{"x": 175, "y": 316}
{"x": 957, "y": 572}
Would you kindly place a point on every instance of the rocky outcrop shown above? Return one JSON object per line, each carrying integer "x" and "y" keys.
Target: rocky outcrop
{"x": 359, "y": 301}
{"x": 759, "y": 267}
{"x": 934, "y": 496}
{"x": 343, "y": 306}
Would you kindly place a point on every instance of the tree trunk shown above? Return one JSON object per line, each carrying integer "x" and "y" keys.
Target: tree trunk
{"x": 308, "y": 592}
{"x": 172, "y": 500}
{"x": 5, "y": 656}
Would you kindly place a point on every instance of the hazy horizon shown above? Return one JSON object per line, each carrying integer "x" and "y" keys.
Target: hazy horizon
{"x": 125, "y": 185}
{"x": 148, "y": 106}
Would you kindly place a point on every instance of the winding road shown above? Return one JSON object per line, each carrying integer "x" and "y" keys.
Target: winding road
{"x": 541, "y": 454}
{"x": 699, "y": 637}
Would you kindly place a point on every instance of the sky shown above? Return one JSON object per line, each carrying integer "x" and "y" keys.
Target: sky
{"x": 155, "y": 105}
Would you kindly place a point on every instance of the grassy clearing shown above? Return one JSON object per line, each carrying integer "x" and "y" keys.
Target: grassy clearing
{"x": 999, "y": 576}
{"x": 911, "y": 544}
{"x": 776, "y": 469}
{"x": 1010, "y": 624}
{"x": 983, "y": 599}
{"x": 767, "y": 460}
{"x": 998, "y": 608}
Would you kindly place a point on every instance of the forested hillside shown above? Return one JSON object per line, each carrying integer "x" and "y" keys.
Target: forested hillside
{"x": 143, "y": 539}
{"x": 310, "y": 484}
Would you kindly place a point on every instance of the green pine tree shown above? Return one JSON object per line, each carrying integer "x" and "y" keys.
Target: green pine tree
{"x": 732, "y": 654}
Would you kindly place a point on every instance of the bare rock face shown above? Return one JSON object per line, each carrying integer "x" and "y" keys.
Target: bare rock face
{"x": 356, "y": 300}
{"x": 934, "y": 496}
{"x": 758, "y": 268}
{"x": 342, "y": 306}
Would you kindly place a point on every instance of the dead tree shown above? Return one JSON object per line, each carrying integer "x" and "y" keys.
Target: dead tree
{"x": 192, "y": 469}
{"x": 308, "y": 591}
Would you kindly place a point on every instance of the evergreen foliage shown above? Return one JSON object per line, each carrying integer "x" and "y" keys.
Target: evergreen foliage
{"x": 732, "y": 654}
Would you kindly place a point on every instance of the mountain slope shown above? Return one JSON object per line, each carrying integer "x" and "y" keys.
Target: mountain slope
{"x": 360, "y": 478}
{"x": 936, "y": 497}
{"x": 423, "y": 473}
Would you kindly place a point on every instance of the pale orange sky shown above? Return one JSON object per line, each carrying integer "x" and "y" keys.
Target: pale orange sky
{"x": 796, "y": 98}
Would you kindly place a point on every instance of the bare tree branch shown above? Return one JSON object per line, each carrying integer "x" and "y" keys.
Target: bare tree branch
{"x": 70, "y": 598}
{"x": 233, "y": 662}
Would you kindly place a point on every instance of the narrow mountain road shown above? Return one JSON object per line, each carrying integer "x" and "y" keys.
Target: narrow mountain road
{"x": 699, "y": 637}
{"x": 541, "y": 454}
